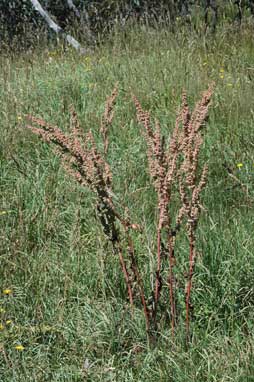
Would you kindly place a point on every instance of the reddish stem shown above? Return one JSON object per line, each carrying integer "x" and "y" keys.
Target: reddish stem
{"x": 171, "y": 282}
{"x": 139, "y": 282}
{"x": 157, "y": 288}
{"x": 189, "y": 282}
{"x": 125, "y": 272}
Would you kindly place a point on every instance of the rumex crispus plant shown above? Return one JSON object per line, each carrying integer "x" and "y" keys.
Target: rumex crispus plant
{"x": 178, "y": 180}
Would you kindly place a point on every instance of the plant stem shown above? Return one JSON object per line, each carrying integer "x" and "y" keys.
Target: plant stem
{"x": 118, "y": 249}
{"x": 189, "y": 281}
{"x": 171, "y": 281}
{"x": 138, "y": 278}
{"x": 157, "y": 288}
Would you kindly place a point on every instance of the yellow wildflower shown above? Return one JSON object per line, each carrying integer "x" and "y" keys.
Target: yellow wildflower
{"x": 7, "y": 291}
{"x": 2, "y": 310}
{"x": 8, "y": 322}
{"x": 221, "y": 76}
{"x": 1, "y": 327}
{"x": 204, "y": 63}
{"x": 239, "y": 165}
{"x": 19, "y": 117}
{"x": 19, "y": 347}
{"x": 222, "y": 70}
{"x": 4, "y": 212}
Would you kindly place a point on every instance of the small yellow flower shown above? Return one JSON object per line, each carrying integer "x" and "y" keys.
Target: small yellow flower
{"x": 221, "y": 76}
{"x": 239, "y": 165}
{"x": 5, "y": 212}
{"x": 204, "y": 63}
{"x": 8, "y": 322}
{"x": 2, "y": 310}
{"x": 222, "y": 70}
{"x": 7, "y": 291}
{"x": 19, "y": 118}
{"x": 1, "y": 327}
{"x": 19, "y": 347}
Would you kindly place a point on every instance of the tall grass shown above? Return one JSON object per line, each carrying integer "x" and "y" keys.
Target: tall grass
{"x": 67, "y": 299}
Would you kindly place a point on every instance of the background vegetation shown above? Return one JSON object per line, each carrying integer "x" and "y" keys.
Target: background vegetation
{"x": 64, "y": 315}
{"x": 90, "y": 20}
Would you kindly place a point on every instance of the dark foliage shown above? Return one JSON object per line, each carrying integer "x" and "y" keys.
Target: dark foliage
{"x": 18, "y": 18}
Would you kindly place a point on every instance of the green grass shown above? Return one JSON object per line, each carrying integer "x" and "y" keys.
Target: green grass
{"x": 68, "y": 304}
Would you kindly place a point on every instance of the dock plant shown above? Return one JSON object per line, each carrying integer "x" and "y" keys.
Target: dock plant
{"x": 178, "y": 178}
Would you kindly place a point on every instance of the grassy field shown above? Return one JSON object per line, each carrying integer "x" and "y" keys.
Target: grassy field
{"x": 63, "y": 309}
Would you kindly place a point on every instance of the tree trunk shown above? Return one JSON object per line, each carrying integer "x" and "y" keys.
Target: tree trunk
{"x": 84, "y": 19}
{"x": 56, "y": 28}
{"x": 73, "y": 7}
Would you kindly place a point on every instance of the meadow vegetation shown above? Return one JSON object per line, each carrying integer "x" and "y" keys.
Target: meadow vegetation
{"x": 64, "y": 315}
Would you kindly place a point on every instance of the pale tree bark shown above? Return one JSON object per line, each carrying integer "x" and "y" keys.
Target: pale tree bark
{"x": 84, "y": 19}
{"x": 73, "y": 7}
{"x": 56, "y": 28}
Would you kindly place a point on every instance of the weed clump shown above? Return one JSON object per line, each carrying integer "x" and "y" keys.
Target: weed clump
{"x": 177, "y": 177}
